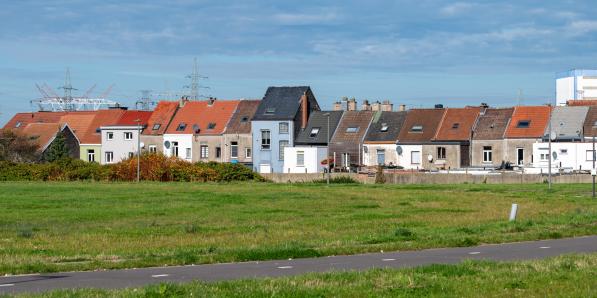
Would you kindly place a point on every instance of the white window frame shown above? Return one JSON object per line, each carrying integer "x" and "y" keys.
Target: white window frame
{"x": 203, "y": 151}
{"x": 233, "y": 149}
{"x": 175, "y": 149}
{"x": 91, "y": 155}
{"x": 153, "y": 149}
{"x": 248, "y": 153}
{"x": 412, "y": 159}
{"x": 128, "y": 136}
{"x": 283, "y": 128}
{"x": 131, "y": 154}
{"x": 300, "y": 158}
{"x": 109, "y": 157}
{"x": 188, "y": 153}
{"x": 281, "y": 148}
{"x": 266, "y": 145}
{"x": 487, "y": 154}
{"x": 110, "y": 136}
{"x": 441, "y": 153}
{"x": 377, "y": 155}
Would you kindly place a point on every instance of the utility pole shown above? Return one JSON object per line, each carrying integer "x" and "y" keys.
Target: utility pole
{"x": 195, "y": 77}
{"x": 138, "y": 150}
{"x": 68, "y": 91}
{"x": 593, "y": 171}
{"x": 327, "y": 155}
{"x": 549, "y": 157}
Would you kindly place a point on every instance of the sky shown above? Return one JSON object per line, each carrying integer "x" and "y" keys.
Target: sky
{"x": 417, "y": 53}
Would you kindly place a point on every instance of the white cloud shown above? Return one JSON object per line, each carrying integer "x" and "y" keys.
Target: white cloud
{"x": 456, "y": 8}
{"x": 583, "y": 26}
{"x": 305, "y": 18}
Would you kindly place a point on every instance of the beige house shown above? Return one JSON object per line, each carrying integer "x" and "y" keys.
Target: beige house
{"x": 237, "y": 137}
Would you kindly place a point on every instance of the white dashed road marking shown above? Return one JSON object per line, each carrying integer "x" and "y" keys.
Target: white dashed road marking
{"x": 285, "y": 267}
{"x": 545, "y": 247}
{"x": 387, "y": 260}
{"x": 474, "y": 253}
{"x": 160, "y": 275}
{"x": 7, "y": 285}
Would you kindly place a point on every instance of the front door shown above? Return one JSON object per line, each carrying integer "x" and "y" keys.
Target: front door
{"x": 520, "y": 156}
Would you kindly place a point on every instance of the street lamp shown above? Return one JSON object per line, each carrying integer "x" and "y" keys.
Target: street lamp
{"x": 138, "y": 150}
{"x": 327, "y": 154}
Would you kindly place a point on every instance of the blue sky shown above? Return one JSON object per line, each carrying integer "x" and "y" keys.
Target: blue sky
{"x": 414, "y": 52}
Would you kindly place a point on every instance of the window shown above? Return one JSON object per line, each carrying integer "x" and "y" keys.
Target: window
{"x": 131, "y": 154}
{"x": 346, "y": 160}
{"x": 441, "y": 153}
{"x": 248, "y": 153}
{"x": 109, "y": 157}
{"x": 188, "y": 153}
{"x": 415, "y": 157}
{"x": 487, "y": 154}
{"x": 416, "y": 128}
{"x": 270, "y": 111}
{"x": 352, "y": 129}
{"x": 283, "y": 144}
{"x": 265, "y": 140}
{"x": 594, "y": 124}
{"x": 156, "y": 126}
{"x": 244, "y": 119}
{"x": 175, "y": 149}
{"x": 300, "y": 158}
{"x": 544, "y": 154}
{"x": 18, "y": 124}
{"x": 381, "y": 156}
{"x": 211, "y": 125}
{"x": 283, "y": 127}
{"x": 523, "y": 124}
{"x": 563, "y": 151}
{"x": 181, "y": 127}
{"x": 455, "y": 125}
{"x": 153, "y": 149}
{"x": 90, "y": 155}
{"x": 384, "y": 127}
{"x": 128, "y": 135}
{"x": 204, "y": 152}
{"x": 218, "y": 152}
{"x": 233, "y": 149}
{"x": 110, "y": 135}
{"x": 314, "y": 132}
{"x": 590, "y": 155}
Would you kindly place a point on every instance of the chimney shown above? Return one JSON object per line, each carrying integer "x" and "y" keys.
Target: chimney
{"x": 402, "y": 108}
{"x": 211, "y": 101}
{"x": 351, "y": 104}
{"x": 366, "y": 106}
{"x": 439, "y": 106}
{"x": 387, "y": 106}
{"x": 376, "y": 106}
{"x": 305, "y": 113}
{"x": 183, "y": 101}
{"x": 338, "y": 106}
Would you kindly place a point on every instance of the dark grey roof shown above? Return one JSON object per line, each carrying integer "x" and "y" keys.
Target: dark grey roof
{"x": 318, "y": 119}
{"x": 283, "y": 103}
{"x": 393, "y": 121}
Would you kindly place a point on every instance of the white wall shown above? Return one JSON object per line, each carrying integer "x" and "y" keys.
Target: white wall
{"x": 404, "y": 159}
{"x": 569, "y": 87}
{"x": 184, "y": 141}
{"x": 564, "y": 90}
{"x": 313, "y": 158}
{"x": 119, "y": 147}
{"x": 575, "y": 157}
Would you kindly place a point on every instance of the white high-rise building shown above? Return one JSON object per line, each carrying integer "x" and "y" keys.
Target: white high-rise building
{"x": 576, "y": 84}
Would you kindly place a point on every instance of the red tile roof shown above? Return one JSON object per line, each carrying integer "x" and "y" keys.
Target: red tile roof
{"x": 130, "y": 117}
{"x": 162, "y": 115}
{"x": 538, "y": 117}
{"x": 102, "y": 118}
{"x": 457, "y": 124}
{"x": 79, "y": 123}
{"x": 20, "y": 120}
{"x": 42, "y": 133}
{"x": 200, "y": 114}
{"x": 426, "y": 122}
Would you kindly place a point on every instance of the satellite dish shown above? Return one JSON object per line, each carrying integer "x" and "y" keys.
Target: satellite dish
{"x": 430, "y": 158}
{"x": 399, "y": 150}
{"x": 553, "y": 136}
{"x": 167, "y": 144}
{"x": 142, "y": 145}
{"x": 555, "y": 155}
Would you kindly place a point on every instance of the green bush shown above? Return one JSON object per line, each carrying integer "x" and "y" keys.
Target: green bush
{"x": 338, "y": 180}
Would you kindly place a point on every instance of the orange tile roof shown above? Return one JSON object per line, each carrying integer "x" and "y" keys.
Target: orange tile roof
{"x": 200, "y": 114}
{"x": 538, "y": 117}
{"x": 162, "y": 115}
{"x": 130, "y": 117}
{"x": 102, "y": 118}
{"x": 457, "y": 124}
{"x": 43, "y": 133}
{"x": 79, "y": 123}
{"x": 20, "y": 120}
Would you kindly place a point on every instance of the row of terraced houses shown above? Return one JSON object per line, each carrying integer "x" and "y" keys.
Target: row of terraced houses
{"x": 287, "y": 132}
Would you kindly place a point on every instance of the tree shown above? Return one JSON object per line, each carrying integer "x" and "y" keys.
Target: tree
{"x": 15, "y": 147}
{"x": 380, "y": 178}
{"x": 57, "y": 149}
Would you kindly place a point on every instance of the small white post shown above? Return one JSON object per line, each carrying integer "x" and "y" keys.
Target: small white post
{"x": 513, "y": 212}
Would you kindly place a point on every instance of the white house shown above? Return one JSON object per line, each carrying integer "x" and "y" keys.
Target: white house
{"x": 566, "y": 156}
{"x": 304, "y": 159}
{"x": 119, "y": 143}
{"x": 410, "y": 156}
{"x": 576, "y": 84}
{"x": 178, "y": 145}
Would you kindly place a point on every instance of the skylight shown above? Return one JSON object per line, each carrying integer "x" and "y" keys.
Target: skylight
{"x": 270, "y": 110}
{"x": 417, "y": 128}
{"x": 182, "y": 126}
{"x": 156, "y": 126}
{"x": 384, "y": 127}
{"x": 455, "y": 125}
{"x": 352, "y": 129}
{"x": 523, "y": 124}
{"x": 244, "y": 119}
{"x": 211, "y": 125}
{"x": 314, "y": 132}
{"x": 18, "y": 124}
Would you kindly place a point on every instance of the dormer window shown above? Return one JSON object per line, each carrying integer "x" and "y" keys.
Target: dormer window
{"x": 523, "y": 124}
{"x": 270, "y": 111}
{"x": 416, "y": 128}
{"x": 314, "y": 132}
{"x": 156, "y": 126}
{"x": 352, "y": 129}
{"x": 384, "y": 127}
{"x": 18, "y": 124}
{"x": 196, "y": 128}
{"x": 455, "y": 125}
{"x": 244, "y": 119}
{"x": 211, "y": 125}
{"x": 181, "y": 127}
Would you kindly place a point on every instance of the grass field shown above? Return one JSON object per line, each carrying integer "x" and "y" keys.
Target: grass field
{"x": 567, "y": 276}
{"x": 48, "y": 227}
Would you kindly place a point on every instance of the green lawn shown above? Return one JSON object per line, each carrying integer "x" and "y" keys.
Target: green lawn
{"x": 567, "y": 276}
{"x": 82, "y": 226}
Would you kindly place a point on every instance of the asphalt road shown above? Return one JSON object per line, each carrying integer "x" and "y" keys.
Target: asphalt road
{"x": 215, "y": 272}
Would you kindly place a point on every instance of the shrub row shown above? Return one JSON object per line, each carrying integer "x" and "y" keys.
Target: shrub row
{"x": 154, "y": 167}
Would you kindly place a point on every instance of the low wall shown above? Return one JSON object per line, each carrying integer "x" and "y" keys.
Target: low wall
{"x": 437, "y": 178}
